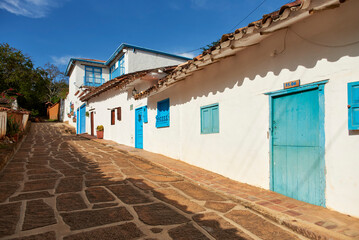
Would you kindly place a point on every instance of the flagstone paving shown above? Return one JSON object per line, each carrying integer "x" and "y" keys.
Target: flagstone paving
{"x": 63, "y": 186}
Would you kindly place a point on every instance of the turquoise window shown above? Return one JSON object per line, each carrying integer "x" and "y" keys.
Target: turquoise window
{"x": 93, "y": 76}
{"x": 210, "y": 119}
{"x": 353, "y": 106}
{"x": 118, "y": 68}
{"x": 163, "y": 113}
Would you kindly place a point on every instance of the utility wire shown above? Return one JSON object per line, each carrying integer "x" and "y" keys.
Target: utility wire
{"x": 322, "y": 44}
{"x": 234, "y": 26}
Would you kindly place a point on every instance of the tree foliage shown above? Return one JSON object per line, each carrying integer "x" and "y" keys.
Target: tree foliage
{"x": 35, "y": 85}
{"x": 57, "y": 86}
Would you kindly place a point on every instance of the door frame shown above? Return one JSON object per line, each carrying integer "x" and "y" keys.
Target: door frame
{"x": 311, "y": 86}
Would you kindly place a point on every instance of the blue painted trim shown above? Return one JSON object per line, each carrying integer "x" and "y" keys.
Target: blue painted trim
{"x": 209, "y": 106}
{"x": 72, "y": 60}
{"x": 77, "y": 121}
{"x": 118, "y": 50}
{"x": 311, "y": 86}
{"x": 125, "y": 45}
{"x": 296, "y": 89}
{"x": 161, "y": 124}
{"x": 322, "y": 140}
{"x": 352, "y": 104}
{"x": 93, "y": 71}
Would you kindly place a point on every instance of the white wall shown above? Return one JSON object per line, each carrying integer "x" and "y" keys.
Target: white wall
{"x": 239, "y": 83}
{"x": 241, "y": 149}
{"x": 76, "y": 80}
{"x": 123, "y": 131}
{"x": 139, "y": 60}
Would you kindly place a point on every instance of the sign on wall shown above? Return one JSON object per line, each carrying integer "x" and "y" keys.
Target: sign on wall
{"x": 291, "y": 84}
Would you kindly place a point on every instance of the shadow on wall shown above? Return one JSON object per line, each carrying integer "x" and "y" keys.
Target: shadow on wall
{"x": 312, "y": 46}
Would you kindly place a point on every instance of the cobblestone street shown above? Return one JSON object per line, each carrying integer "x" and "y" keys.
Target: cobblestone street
{"x": 62, "y": 186}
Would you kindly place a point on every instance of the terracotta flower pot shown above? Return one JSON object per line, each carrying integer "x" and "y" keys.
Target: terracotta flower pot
{"x": 99, "y": 134}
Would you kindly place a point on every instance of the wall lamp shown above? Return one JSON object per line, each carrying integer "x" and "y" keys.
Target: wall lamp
{"x": 134, "y": 92}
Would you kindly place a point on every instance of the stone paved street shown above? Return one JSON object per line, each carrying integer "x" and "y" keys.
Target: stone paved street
{"x": 62, "y": 186}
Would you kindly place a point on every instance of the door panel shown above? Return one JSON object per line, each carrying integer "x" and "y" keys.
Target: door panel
{"x": 296, "y": 159}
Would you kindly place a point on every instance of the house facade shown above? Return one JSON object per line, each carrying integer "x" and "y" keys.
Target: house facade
{"x": 274, "y": 104}
{"x": 86, "y": 74}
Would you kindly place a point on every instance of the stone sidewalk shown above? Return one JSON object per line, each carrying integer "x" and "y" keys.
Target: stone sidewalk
{"x": 63, "y": 186}
{"x": 306, "y": 219}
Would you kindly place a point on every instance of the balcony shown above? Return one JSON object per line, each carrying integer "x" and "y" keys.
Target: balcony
{"x": 93, "y": 81}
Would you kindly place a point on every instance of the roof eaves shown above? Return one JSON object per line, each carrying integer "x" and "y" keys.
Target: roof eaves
{"x": 122, "y": 81}
{"x": 226, "y": 44}
{"x": 125, "y": 45}
{"x": 72, "y": 60}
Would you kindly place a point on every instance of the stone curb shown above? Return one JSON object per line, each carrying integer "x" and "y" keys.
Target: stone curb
{"x": 10, "y": 155}
{"x": 299, "y": 226}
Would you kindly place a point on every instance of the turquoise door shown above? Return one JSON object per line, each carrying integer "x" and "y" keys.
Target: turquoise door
{"x": 77, "y": 121}
{"x": 139, "y": 128}
{"x": 297, "y": 152}
{"x": 82, "y": 118}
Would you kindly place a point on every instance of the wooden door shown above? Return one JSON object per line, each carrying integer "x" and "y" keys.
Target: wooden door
{"x": 297, "y": 160}
{"x": 139, "y": 128}
{"x": 82, "y": 119}
{"x": 92, "y": 124}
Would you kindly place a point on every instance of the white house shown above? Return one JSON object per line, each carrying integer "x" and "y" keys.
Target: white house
{"x": 274, "y": 104}
{"x": 86, "y": 74}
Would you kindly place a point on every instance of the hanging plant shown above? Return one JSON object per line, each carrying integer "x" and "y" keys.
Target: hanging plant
{"x": 87, "y": 114}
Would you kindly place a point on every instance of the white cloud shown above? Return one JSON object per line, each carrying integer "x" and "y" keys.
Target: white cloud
{"x": 30, "y": 8}
{"x": 60, "y": 61}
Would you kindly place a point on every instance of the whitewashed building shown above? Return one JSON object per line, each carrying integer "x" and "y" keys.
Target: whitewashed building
{"x": 86, "y": 74}
{"x": 274, "y": 104}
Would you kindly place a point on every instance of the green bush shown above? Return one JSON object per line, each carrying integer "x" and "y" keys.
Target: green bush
{"x": 12, "y": 127}
{"x": 100, "y": 128}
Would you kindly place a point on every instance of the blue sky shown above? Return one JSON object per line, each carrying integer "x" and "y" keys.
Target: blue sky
{"x": 55, "y": 30}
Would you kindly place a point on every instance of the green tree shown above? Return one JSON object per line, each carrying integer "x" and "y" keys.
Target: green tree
{"x": 57, "y": 86}
{"x": 17, "y": 72}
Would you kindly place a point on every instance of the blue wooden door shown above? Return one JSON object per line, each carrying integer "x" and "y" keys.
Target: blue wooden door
{"x": 82, "y": 118}
{"x": 139, "y": 128}
{"x": 297, "y": 161}
{"x": 77, "y": 121}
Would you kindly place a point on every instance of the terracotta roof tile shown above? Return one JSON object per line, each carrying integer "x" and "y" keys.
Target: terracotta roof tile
{"x": 122, "y": 81}
{"x": 257, "y": 27}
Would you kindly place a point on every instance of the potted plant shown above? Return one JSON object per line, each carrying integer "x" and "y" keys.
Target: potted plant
{"x": 13, "y": 128}
{"x": 99, "y": 131}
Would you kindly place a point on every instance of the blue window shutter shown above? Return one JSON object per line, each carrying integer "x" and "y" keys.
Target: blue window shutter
{"x": 163, "y": 113}
{"x": 206, "y": 121}
{"x": 353, "y": 105}
{"x": 215, "y": 120}
{"x": 210, "y": 119}
{"x": 145, "y": 117}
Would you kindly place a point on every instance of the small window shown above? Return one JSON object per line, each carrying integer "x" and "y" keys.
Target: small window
{"x": 113, "y": 117}
{"x": 210, "y": 119}
{"x": 163, "y": 113}
{"x": 353, "y": 106}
